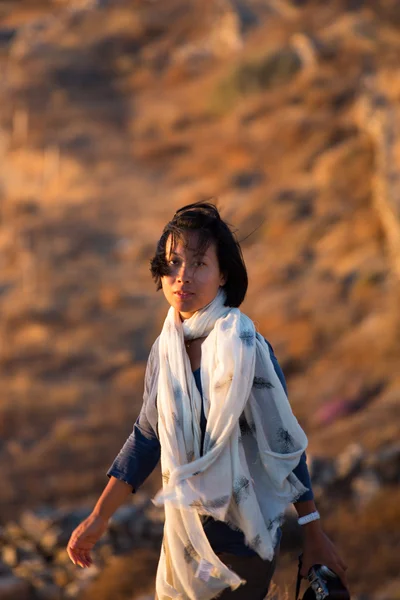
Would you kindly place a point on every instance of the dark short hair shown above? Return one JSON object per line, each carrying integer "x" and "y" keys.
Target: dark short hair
{"x": 204, "y": 218}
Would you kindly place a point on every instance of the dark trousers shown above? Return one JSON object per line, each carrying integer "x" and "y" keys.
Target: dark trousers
{"x": 257, "y": 572}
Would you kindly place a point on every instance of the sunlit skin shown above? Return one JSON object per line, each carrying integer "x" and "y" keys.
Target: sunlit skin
{"x": 199, "y": 275}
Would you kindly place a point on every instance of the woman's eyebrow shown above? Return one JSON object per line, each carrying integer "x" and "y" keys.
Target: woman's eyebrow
{"x": 180, "y": 256}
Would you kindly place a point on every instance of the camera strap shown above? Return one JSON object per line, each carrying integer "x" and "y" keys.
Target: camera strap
{"x": 299, "y": 578}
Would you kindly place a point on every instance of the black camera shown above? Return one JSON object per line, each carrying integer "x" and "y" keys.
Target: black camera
{"x": 324, "y": 584}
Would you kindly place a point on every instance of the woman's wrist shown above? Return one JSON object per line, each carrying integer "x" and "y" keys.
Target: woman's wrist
{"x": 97, "y": 514}
{"x": 313, "y": 516}
{"x": 312, "y": 530}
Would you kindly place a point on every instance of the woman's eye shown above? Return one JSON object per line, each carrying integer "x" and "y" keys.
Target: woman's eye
{"x": 173, "y": 261}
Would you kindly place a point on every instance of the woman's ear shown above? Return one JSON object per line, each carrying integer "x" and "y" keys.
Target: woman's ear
{"x": 222, "y": 280}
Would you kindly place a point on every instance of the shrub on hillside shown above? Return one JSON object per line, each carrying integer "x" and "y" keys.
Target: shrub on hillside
{"x": 256, "y": 75}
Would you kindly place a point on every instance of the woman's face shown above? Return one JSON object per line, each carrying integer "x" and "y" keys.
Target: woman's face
{"x": 194, "y": 280}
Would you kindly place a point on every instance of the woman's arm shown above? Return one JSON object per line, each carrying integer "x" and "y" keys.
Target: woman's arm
{"x": 138, "y": 456}
{"x": 317, "y": 547}
{"x": 301, "y": 471}
{"x": 141, "y": 451}
{"x": 114, "y": 494}
{"x": 135, "y": 461}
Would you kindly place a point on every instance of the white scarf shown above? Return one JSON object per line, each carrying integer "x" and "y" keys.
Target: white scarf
{"x": 251, "y": 446}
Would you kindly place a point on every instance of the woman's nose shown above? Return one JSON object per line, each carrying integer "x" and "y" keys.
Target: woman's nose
{"x": 184, "y": 274}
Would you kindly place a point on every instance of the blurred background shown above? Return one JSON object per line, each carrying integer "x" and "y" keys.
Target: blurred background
{"x": 115, "y": 113}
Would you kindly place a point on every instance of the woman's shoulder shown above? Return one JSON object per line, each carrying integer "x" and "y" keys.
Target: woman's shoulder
{"x": 152, "y": 360}
{"x": 267, "y": 341}
{"x": 154, "y": 346}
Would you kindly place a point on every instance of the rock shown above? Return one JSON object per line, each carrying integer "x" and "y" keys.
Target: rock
{"x": 387, "y": 463}
{"x": 155, "y": 530}
{"x": 71, "y": 518}
{"x": 54, "y": 537}
{"x": 13, "y": 531}
{"x": 350, "y": 461}
{"x": 155, "y": 518}
{"x": 142, "y": 500}
{"x": 48, "y": 591}
{"x": 322, "y": 470}
{"x": 88, "y": 573}
{"x": 225, "y": 35}
{"x": 122, "y": 516}
{"x": 9, "y": 555}
{"x": 104, "y": 552}
{"x": 27, "y": 547}
{"x": 365, "y": 486}
{"x": 61, "y": 576}
{"x": 306, "y": 49}
{"x": 4, "y": 569}
{"x": 247, "y": 179}
{"x": 36, "y": 523}
{"x": 155, "y": 513}
{"x": 31, "y": 567}
{"x": 60, "y": 557}
{"x": 12, "y": 555}
{"x": 72, "y": 590}
{"x": 64, "y": 523}
{"x": 129, "y": 519}
{"x": 13, "y": 588}
{"x": 131, "y": 523}
{"x": 220, "y": 39}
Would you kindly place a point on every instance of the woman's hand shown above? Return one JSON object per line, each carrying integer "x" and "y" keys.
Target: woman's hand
{"x": 84, "y": 537}
{"x": 318, "y": 549}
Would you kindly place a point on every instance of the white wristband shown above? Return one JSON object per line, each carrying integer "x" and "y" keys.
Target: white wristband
{"x": 308, "y": 518}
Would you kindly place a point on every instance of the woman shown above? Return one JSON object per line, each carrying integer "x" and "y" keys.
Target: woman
{"x": 216, "y": 410}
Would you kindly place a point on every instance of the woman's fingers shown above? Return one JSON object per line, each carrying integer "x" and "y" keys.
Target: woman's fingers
{"x": 342, "y": 575}
{"x": 83, "y": 538}
{"x": 81, "y": 560}
{"x": 72, "y": 554}
{"x": 75, "y": 557}
{"x": 79, "y": 556}
{"x": 340, "y": 565}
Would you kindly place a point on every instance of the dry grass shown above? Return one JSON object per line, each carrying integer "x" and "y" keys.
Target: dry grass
{"x": 124, "y": 577}
{"x": 88, "y": 186}
{"x": 255, "y": 76}
{"x": 275, "y": 593}
{"x": 374, "y": 526}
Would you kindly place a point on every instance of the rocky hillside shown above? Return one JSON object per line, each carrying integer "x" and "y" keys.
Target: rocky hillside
{"x": 115, "y": 113}
{"x": 34, "y": 563}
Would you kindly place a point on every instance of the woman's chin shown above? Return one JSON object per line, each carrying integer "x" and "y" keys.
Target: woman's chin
{"x": 186, "y": 306}
{"x": 190, "y": 301}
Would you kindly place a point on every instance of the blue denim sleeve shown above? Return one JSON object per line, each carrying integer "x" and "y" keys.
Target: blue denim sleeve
{"x": 301, "y": 471}
{"x": 139, "y": 455}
